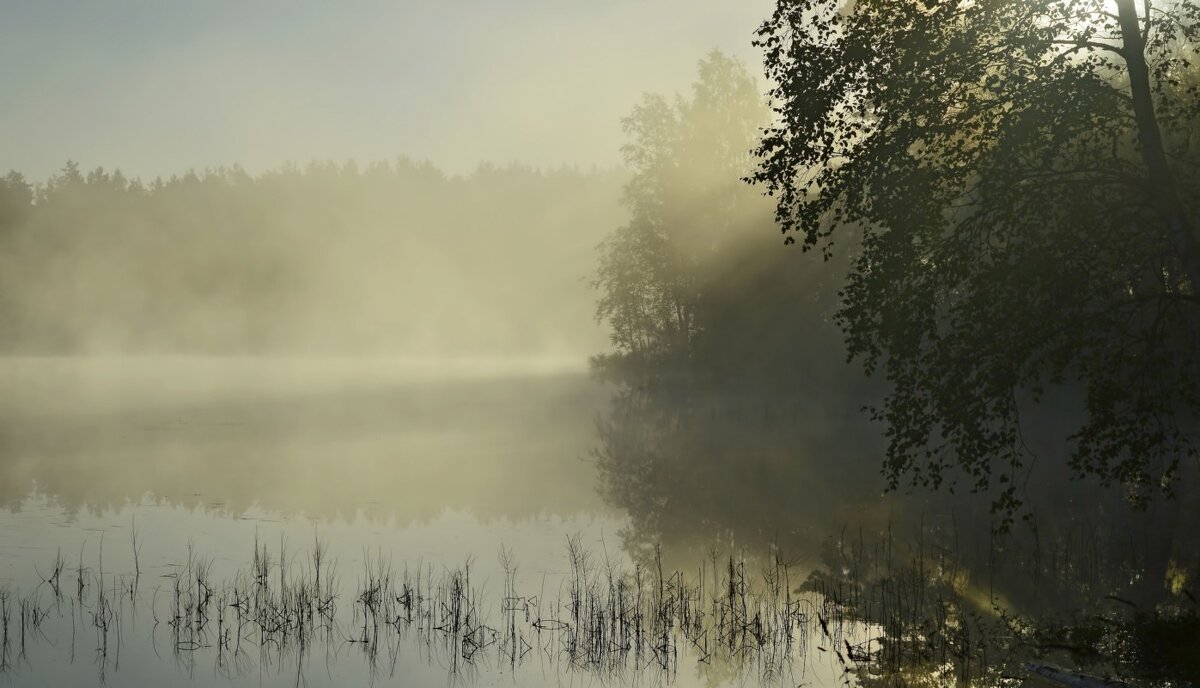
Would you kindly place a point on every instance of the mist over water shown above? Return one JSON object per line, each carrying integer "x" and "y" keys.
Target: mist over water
{"x": 393, "y": 260}
{"x": 579, "y": 419}
{"x": 386, "y": 364}
{"x": 325, "y": 437}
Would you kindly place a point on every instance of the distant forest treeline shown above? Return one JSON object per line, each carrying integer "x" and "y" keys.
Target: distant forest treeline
{"x": 386, "y": 259}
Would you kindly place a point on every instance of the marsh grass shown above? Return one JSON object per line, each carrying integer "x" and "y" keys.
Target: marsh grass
{"x": 21, "y": 619}
{"x": 878, "y": 612}
{"x": 6, "y": 665}
{"x": 601, "y": 617}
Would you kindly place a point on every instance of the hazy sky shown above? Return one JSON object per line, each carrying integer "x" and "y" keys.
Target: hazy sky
{"x": 158, "y": 86}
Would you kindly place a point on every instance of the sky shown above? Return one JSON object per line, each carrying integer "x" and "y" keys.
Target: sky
{"x": 157, "y": 87}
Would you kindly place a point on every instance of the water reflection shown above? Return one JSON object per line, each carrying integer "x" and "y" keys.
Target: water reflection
{"x": 1084, "y": 580}
{"x": 443, "y": 504}
{"x": 735, "y": 538}
{"x": 754, "y": 469}
{"x": 121, "y": 596}
{"x": 321, "y": 437}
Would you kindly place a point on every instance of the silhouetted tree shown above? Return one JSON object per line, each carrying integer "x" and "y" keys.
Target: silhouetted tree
{"x": 732, "y": 397}
{"x": 687, "y": 205}
{"x": 16, "y": 198}
{"x": 1016, "y": 182}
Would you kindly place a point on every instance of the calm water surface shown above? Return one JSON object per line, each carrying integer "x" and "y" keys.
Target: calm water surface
{"x": 478, "y": 467}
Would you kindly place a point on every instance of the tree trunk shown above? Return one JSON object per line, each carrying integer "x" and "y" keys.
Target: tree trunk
{"x": 1162, "y": 181}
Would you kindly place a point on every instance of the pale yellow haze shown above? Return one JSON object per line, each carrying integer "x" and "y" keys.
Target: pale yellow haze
{"x": 155, "y": 87}
{"x": 415, "y": 260}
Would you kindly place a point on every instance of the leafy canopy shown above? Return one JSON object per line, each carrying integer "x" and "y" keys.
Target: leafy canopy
{"x": 686, "y": 201}
{"x": 987, "y": 167}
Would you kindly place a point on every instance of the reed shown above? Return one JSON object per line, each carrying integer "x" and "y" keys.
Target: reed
{"x": 881, "y": 611}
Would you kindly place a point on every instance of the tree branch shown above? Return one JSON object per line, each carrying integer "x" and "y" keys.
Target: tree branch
{"x": 1078, "y": 43}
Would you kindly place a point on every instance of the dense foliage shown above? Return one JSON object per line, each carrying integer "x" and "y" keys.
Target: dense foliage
{"x": 687, "y": 207}
{"x": 1016, "y": 182}
{"x": 732, "y": 396}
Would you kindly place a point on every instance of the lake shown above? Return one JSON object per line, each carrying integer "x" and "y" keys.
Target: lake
{"x": 274, "y": 521}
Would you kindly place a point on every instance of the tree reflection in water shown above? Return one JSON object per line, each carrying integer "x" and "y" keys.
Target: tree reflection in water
{"x": 1083, "y": 581}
